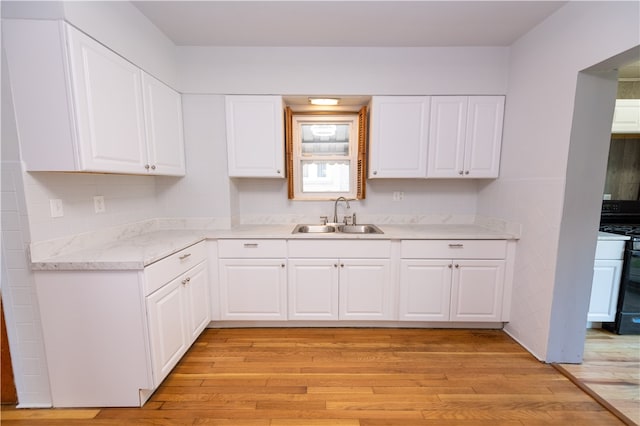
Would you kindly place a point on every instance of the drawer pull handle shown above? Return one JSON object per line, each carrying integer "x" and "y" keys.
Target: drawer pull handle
{"x": 456, "y": 245}
{"x": 186, "y": 281}
{"x": 251, "y": 245}
{"x": 184, "y": 256}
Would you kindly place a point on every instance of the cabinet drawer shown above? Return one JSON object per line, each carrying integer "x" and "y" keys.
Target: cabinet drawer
{"x": 341, "y": 249}
{"x": 453, "y": 249}
{"x": 159, "y": 273}
{"x": 610, "y": 250}
{"x": 252, "y": 248}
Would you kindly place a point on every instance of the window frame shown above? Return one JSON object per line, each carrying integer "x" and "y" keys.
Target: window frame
{"x": 357, "y": 151}
{"x": 299, "y": 158}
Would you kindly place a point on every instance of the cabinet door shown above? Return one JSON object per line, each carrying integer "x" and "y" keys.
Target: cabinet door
{"x": 163, "y": 119}
{"x": 399, "y": 137}
{"x": 483, "y": 136}
{"x": 476, "y": 292}
{"x": 255, "y": 136}
{"x": 167, "y": 328}
{"x": 447, "y": 134}
{"x": 196, "y": 288}
{"x": 604, "y": 290}
{"x": 108, "y": 103}
{"x": 365, "y": 289}
{"x": 425, "y": 290}
{"x": 253, "y": 289}
{"x": 626, "y": 116}
{"x": 313, "y": 289}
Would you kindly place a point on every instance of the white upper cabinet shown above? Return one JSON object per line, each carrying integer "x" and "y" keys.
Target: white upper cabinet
{"x": 626, "y": 116}
{"x": 163, "y": 118}
{"x": 465, "y": 136}
{"x": 108, "y": 106}
{"x": 399, "y": 137}
{"x": 255, "y": 136}
{"x": 81, "y": 107}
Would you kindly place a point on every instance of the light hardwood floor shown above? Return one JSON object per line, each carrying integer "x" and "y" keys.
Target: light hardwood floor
{"x": 350, "y": 377}
{"x": 611, "y": 370}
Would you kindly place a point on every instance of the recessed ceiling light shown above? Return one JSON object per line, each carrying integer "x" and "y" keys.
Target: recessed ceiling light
{"x": 324, "y": 101}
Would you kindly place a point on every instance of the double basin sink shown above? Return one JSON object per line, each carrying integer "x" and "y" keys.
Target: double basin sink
{"x": 331, "y": 228}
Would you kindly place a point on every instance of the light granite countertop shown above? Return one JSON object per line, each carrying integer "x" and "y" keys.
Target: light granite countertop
{"x": 137, "y": 251}
{"x": 607, "y": 236}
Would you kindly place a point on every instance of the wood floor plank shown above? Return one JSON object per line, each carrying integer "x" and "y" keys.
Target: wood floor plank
{"x": 354, "y": 377}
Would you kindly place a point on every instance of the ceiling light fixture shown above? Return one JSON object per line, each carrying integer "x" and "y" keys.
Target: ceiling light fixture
{"x": 324, "y": 101}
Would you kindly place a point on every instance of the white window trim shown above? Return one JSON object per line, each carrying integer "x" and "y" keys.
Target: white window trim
{"x": 298, "y": 120}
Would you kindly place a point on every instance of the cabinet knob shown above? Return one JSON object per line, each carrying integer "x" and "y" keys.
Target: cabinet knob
{"x": 282, "y": 265}
{"x": 342, "y": 265}
{"x": 335, "y": 265}
{"x": 375, "y": 172}
{"x": 153, "y": 167}
{"x": 467, "y": 172}
{"x": 457, "y": 266}
{"x": 450, "y": 266}
{"x": 278, "y": 171}
{"x": 146, "y": 166}
{"x": 460, "y": 172}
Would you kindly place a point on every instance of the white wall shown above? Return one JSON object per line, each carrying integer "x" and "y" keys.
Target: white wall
{"x": 25, "y": 196}
{"x": 343, "y": 71}
{"x": 116, "y": 24}
{"x": 205, "y": 191}
{"x": 336, "y": 71}
{"x": 17, "y": 284}
{"x": 123, "y": 28}
{"x": 543, "y": 76}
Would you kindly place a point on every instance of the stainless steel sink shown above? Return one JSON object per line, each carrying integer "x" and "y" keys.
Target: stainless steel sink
{"x": 346, "y": 229}
{"x": 314, "y": 229}
{"x": 359, "y": 229}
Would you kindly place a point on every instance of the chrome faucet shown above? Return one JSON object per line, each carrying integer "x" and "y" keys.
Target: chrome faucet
{"x": 335, "y": 208}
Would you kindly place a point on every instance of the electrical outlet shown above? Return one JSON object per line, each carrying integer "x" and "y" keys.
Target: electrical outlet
{"x": 56, "y": 207}
{"x": 98, "y": 204}
{"x": 398, "y": 196}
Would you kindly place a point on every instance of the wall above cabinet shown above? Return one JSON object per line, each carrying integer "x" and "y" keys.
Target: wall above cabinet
{"x": 80, "y": 107}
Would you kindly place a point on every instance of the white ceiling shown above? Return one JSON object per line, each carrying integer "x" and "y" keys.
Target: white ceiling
{"x": 346, "y": 23}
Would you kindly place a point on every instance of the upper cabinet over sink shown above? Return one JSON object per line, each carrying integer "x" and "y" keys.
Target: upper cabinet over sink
{"x": 255, "y": 136}
{"x": 399, "y": 137}
{"x": 81, "y": 107}
{"x": 435, "y": 136}
{"x": 465, "y": 136}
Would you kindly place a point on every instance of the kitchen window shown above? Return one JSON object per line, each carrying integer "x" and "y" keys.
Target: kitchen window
{"x": 326, "y": 155}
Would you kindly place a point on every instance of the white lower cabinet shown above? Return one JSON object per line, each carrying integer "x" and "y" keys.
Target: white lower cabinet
{"x": 365, "y": 289}
{"x": 436, "y": 287}
{"x": 607, "y": 272}
{"x": 604, "y": 290}
{"x": 322, "y": 287}
{"x": 476, "y": 290}
{"x": 253, "y": 279}
{"x": 112, "y": 336}
{"x": 425, "y": 290}
{"x": 313, "y": 289}
{"x": 178, "y": 312}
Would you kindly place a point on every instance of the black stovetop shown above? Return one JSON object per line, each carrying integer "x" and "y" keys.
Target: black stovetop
{"x": 621, "y": 217}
